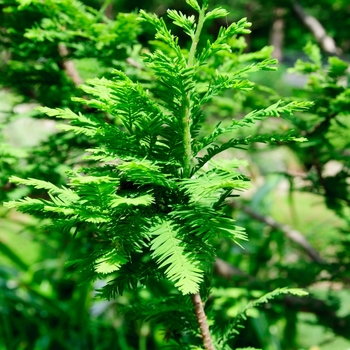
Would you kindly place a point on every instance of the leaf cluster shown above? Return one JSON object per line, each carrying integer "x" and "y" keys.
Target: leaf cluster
{"x": 326, "y": 128}
{"x": 35, "y": 33}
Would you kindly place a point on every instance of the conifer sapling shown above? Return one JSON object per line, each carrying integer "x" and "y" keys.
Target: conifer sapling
{"x": 151, "y": 206}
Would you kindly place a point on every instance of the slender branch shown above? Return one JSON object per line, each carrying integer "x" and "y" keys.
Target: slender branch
{"x": 327, "y": 43}
{"x": 133, "y": 63}
{"x": 202, "y": 321}
{"x": 227, "y": 271}
{"x": 321, "y": 127}
{"x": 277, "y": 33}
{"x": 292, "y": 234}
{"x": 69, "y": 66}
{"x": 107, "y": 9}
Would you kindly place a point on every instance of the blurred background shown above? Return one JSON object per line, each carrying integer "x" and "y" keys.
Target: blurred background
{"x": 296, "y": 214}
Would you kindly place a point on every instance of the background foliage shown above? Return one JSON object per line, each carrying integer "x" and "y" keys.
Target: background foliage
{"x": 44, "y": 305}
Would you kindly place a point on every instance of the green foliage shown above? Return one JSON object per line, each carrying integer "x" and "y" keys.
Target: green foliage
{"x": 9, "y": 160}
{"x": 231, "y": 330}
{"x": 315, "y": 173}
{"x": 167, "y": 251}
{"x": 47, "y": 49}
{"x": 46, "y": 303}
{"x": 330, "y": 89}
{"x": 35, "y": 46}
{"x": 154, "y": 206}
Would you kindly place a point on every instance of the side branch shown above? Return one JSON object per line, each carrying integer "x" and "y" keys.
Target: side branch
{"x": 227, "y": 271}
{"x": 69, "y": 67}
{"x": 202, "y": 321}
{"x": 277, "y": 33}
{"x": 326, "y": 42}
{"x": 292, "y": 234}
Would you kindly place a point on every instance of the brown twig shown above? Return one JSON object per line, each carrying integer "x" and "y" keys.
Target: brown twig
{"x": 227, "y": 271}
{"x": 277, "y": 33}
{"x": 68, "y": 66}
{"x": 292, "y": 234}
{"x": 202, "y": 321}
{"x": 133, "y": 63}
{"x": 326, "y": 42}
{"x": 321, "y": 127}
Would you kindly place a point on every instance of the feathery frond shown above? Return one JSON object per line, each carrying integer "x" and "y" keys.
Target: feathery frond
{"x": 169, "y": 253}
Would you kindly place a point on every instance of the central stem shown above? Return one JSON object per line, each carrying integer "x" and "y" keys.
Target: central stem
{"x": 186, "y": 117}
{"x": 202, "y": 321}
{"x": 186, "y": 127}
